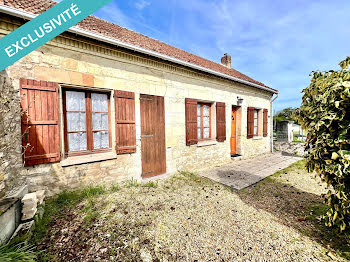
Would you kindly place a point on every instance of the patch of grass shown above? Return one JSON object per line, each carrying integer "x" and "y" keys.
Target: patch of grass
{"x": 299, "y": 165}
{"x": 153, "y": 184}
{"x": 296, "y": 140}
{"x": 318, "y": 210}
{"x": 18, "y": 253}
{"x": 132, "y": 183}
{"x": 91, "y": 216}
{"x": 114, "y": 188}
{"x": 192, "y": 177}
{"x": 55, "y": 205}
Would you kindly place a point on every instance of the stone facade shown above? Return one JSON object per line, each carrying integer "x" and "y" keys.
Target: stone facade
{"x": 74, "y": 61}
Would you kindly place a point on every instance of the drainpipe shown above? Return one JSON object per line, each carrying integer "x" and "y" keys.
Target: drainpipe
{"x": 272, "y": 100}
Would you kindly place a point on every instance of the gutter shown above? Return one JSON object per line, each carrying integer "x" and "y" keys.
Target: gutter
{"x": 271, "y": 133}
{"x": 29, "y": 16}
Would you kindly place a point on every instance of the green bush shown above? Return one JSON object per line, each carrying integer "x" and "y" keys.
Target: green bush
{"x": 325, "y": 115}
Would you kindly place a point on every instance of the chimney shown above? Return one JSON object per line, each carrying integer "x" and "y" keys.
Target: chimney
{"x": 226, "y": 60}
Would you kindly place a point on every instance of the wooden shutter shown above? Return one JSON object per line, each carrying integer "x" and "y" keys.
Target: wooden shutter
{"x": 220, "y": 122}
{"x": 191, "y": 121}
{"x": 40, "y": 122}
{"x": 250, "y": 122}
{"x": 125, "y": 121}
{"x": 265, "y": 122}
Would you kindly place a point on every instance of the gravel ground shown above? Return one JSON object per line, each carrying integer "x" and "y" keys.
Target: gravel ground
{"x": 187, "y": 218}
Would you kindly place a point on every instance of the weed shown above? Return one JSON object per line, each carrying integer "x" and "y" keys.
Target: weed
{"x": 114, "y": 188}
{"x": 150, "y": 184}
{"x": 18, "y": 253}
{"x": 132, "y": 183}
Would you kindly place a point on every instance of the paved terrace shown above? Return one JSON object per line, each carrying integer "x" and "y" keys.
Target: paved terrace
{"x": 243, "y": 173}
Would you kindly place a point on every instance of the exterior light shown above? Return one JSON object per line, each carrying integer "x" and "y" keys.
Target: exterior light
{"x": 239, "y": 100}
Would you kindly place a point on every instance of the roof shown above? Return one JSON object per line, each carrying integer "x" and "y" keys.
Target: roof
{"x": 104, "y": 28}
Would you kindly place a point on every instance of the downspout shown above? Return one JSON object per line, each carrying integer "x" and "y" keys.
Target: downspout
{"x": 271, "y": 107}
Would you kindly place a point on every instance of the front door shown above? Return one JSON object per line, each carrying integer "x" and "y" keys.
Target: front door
{"x": 233, "y": 131}
{"x": 152, "y": 135}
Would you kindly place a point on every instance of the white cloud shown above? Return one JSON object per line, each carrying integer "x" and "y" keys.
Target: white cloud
{"x": 140, "y": 5}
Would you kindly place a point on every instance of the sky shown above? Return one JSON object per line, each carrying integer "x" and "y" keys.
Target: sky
{"x": 275, "y": 42}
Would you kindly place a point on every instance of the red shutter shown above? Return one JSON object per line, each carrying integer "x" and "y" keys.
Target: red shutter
{"x": 125, "y": 121}
{"x": 265, "y": 122}
{"x": 40, "y": 122}
{"x": 220, "y": 122}
{"x": 191, "y": 121}
{"x": 250, "y": 122}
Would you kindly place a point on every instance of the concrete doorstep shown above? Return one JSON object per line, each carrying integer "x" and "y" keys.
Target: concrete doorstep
{"x": 243, "y": 173}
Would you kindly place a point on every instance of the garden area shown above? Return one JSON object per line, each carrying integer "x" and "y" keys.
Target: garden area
{"x": 189, "y": 218}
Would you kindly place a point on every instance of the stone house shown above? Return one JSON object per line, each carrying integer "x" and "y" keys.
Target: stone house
{"x": 102, "y": 104}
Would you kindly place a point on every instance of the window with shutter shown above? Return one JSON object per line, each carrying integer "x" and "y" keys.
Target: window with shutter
{"x": 125, "y": 122}
{"x": 265, "y": 121}
{"x": 40, "y": 122}
{"x": 256, "y": 122}
{"x": 86, "y": 122}
{"x": 250, "y": 122}
{"x": 220, "y": 122}
{"x": 203, "y": 121}
{"x": 191, "y": 121}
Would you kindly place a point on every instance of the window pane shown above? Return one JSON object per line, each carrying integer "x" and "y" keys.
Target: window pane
{"x": 101, "y": 139}
{"x": 76, "y": 121}
{"x": 206, "y": 121}
{"x": 205, "y": 110}
{"x": 199, "y": 121}
{"x": 206, "y": 133}
{"x": 99, "y": 121}
{"x": 255, "y": 129}
{"x": 255, "y": 121}
{"x": 199, "y": 135}
{"x": 255, "y": 114}
{"x": 76, "y": 141}
{"x": 75, "y": 101}
{"x": 198, "y": 110}
{"x": 99, "y": 102}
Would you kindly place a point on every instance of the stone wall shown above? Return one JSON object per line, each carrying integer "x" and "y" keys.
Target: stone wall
{"x": 69, "y": 60}
{"x": 297, "y": 149}
{"x": 10, "y": 136}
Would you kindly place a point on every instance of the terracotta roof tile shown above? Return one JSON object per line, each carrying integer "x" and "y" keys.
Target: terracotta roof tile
{"x": 105, "y": 28}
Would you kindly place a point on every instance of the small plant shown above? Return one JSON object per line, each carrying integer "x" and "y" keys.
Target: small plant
{"x": 150, "y": 184}
{"x": 17, "y": 253}
{"x": 132, "y": 183}
{"x": 114, "y": 188}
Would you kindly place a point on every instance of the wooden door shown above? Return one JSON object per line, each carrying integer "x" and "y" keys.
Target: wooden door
{"x": 152, "y": 135}
{"x": 233, "y": 131}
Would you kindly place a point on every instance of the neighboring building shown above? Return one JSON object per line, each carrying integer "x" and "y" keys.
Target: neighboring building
{"x": 104, "y": 103}
{"x": 284, "y": 131}
{"x": 287, "y": 131}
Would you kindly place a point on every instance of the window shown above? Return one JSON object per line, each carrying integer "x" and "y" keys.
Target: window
{"x": 256, "y": 120}
{"x": 203, "y": 121}
{"x": 87, "y": 122}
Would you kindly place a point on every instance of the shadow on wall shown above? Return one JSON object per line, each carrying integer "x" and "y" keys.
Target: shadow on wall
{"x": 295, "y": 208}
